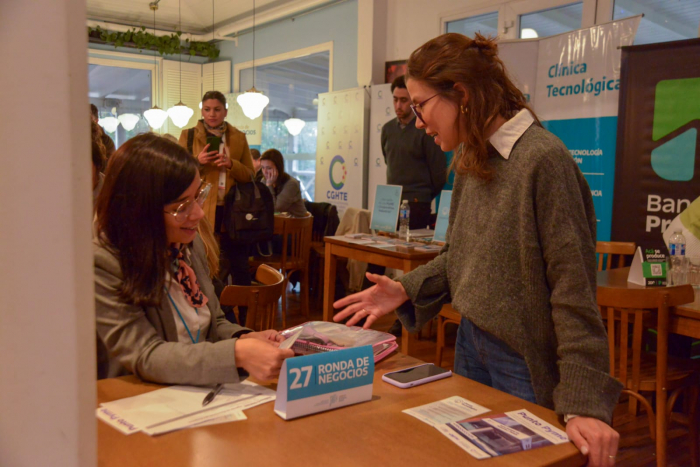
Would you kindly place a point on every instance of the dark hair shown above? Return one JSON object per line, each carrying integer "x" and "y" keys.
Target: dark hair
{"x": 99, "y": 152}
{"x": 255, "y": 154}
{"x": 143, "y": 175}
{"x": 94, "y": 111}
{"x": 214, "y": 95}
{"x": 453, "y": 58}
{"x": 276, "y": 157}
{"x": 399, "y": 82}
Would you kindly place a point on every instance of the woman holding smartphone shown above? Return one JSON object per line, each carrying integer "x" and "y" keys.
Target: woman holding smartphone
{"x": 224, "y": 160}
{"x": 519, "y": 261}
{"x": 158, "y": 316}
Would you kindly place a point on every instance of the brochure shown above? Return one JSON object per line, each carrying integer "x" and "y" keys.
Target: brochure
{"x": 501, "y": 434}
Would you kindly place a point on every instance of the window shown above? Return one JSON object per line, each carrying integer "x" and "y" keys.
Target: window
{"x": 552, "y": 21}
{"x": 292, "y": 86}
{"x": 486, "y": 25}
{"x": 119, "y": 91}
{"x": 663, "y": 20}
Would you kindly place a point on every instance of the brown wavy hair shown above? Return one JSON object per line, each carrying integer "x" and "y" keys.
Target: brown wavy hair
{"x": 453, "y": 58}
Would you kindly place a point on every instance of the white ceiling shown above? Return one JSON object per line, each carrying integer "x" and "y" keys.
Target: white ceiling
{"x": 196, "y": 14}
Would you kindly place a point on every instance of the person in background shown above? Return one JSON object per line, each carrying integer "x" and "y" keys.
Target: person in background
{"x": 98, "y": 160}
{"x": 255, "y": 154}
{"x": 106, "y": 140}
{"x": 285, "y": 189}
{"x": 519, "y": 261}
{"x": 223, "y": 167}
{"x": 158, "y": 316}
{"x": 412, "y": 159}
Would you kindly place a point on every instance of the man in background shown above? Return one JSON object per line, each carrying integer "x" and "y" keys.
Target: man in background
{"x": 413, "y": 160}
{"x": 106, "y": 140}
{"x": 255, "y": 154}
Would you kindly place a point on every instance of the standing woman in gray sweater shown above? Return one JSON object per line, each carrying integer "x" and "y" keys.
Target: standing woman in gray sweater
{"x": 519, "y": 261}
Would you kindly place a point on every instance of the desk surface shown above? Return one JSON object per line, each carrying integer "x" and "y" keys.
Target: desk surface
{"x": 387, "y": 251}
{"x": 370, "y": 433}
{"x": 684, "y": 320}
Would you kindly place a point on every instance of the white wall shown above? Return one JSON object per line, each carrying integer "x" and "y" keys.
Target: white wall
{"x": 47, "y": 322}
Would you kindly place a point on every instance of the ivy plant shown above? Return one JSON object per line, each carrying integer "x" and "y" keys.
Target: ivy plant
{"x": 164, "y": 45}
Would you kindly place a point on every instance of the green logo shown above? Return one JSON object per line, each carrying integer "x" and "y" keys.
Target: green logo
{"x": 676, "y": 105}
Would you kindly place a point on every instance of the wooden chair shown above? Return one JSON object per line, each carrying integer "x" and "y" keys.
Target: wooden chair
{"x": 261, "y": 299}
{"x": 447, "y": 315}
{"x": 658, "y": 375}
{"x": 296, "y": 245}
{"x": 606, "y": 250}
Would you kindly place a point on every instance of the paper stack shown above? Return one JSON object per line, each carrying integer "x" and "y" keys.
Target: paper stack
{"x": 177, "y": 407}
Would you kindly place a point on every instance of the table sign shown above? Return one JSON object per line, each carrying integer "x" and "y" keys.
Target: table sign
{"x": 385, "y": 214}
{"x": 324, "y": 381}
{"x": 648, "y": 268}
{"x": 443, "y": 217}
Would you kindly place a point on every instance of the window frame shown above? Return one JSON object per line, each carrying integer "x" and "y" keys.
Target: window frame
{"x": 109, "y": 58}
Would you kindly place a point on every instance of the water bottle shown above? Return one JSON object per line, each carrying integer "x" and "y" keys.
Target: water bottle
{"x": 404, "y": 216}
{"x": 679, "y": 265}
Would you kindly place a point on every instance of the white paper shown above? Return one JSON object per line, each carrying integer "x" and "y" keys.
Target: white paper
{"x": 116, "y": 421}
{"x": 235, "y": 416}
{"x": 448, "y": 410}
{"x": 179, "y": 405}
{"x": 460, "y": 438}
{"x": 539, "y": 426}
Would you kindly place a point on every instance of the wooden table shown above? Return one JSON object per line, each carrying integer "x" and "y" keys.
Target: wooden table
{"x": 683, "y": 320}
{"x": 340, "y": 247}
{"x": 373, "y": 433}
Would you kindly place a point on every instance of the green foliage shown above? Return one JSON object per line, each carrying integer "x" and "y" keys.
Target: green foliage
{"x": 165, "y": 45}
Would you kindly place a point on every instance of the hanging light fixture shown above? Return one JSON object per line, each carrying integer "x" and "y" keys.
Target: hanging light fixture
{"x": 110, "y": 124}
{"x": 155, "y": 115}
{"x": 253, "y": 101}
{"x": 128, "y": 121}
{"x": 294, "y": 125}
{"x": 180, "y": 114}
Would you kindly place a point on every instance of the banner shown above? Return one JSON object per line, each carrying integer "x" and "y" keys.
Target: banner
{"x": 658, "y": 145}
{"x": 577, "y": 89}
{"x": 251, "y": 128}
{"x": 341, "y": 161}
{"x": 381, "y": 111}
{"x": 520, "y": 57}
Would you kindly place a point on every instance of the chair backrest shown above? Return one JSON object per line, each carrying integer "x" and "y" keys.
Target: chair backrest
{"x": 606, "y": 250}
{"x": 641, "y": 308}
{"x": 325, "y": 219}
{"x": 261, "y": 299}
{"x": 296, "y": 242}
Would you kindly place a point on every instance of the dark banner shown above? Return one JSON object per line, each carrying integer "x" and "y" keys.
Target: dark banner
{"x": 656, "y": 171}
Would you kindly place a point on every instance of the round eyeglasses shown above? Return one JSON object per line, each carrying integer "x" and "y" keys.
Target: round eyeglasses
{"x": 420, "y": 105}
{"x": 184, "y": 210}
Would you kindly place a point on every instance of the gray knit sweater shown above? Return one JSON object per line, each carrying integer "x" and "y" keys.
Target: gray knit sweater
{"x": 520, "y": 264}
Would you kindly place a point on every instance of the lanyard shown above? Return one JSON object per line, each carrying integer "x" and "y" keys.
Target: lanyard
{"x": 194, "y": 341}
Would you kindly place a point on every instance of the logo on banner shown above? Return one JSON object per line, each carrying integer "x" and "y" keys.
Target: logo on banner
{"x": 675, "y": 108}
{"x": 340, "y": 172}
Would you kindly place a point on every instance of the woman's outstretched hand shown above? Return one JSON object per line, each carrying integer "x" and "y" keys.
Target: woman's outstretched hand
{"x": 380, "y": 299}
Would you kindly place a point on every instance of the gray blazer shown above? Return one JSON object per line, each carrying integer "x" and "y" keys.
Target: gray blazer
{"x": 144, "y": 341}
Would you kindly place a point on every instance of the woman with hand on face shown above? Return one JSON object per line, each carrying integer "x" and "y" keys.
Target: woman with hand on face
{"x": 158, "y": 316}
{"x": 519, "y": 261}
{"x": 222, "y": 166}
{"x": 285, "y": 189}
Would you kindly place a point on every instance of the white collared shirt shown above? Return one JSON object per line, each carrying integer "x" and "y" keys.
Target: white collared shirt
{"x": 510, "y": 132}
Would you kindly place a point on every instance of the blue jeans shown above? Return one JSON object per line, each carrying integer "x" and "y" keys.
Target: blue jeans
{"x": 483, "y": 358}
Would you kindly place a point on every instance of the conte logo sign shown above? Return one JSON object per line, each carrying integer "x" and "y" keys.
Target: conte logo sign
{"x": 676, "y": 105}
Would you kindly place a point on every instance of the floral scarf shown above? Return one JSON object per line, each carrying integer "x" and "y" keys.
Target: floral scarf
{"x": 185, "y": 276}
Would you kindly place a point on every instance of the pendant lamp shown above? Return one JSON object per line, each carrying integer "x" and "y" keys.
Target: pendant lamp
{"x": 155, "y": 115}
{"x": 294, "y": 125}
{"x": 253, "y": 102}
{"x": 180, "y": 114}
{"x": 109, "y": 124}
{"x": 128, "y": 121}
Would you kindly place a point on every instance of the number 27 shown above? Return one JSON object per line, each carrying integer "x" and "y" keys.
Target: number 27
{"x": 297, "y": 376}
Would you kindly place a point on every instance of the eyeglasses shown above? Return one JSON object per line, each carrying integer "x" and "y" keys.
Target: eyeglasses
{"x": 417, "y": 112}
{"x": 184, "y": 210}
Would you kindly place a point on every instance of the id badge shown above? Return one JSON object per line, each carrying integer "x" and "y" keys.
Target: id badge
{"x": 222, "y": 185}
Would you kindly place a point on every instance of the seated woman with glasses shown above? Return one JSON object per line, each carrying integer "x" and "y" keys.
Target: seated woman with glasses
{"x": 285, "y": 189}
{"x": 158, "y": 316}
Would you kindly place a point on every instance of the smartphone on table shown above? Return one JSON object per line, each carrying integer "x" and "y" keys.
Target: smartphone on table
{"x": 416, "y": 375}
{"x": 214, "y": 142}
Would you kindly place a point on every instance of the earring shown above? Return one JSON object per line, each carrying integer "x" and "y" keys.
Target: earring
{"x": 463, "y": 109}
